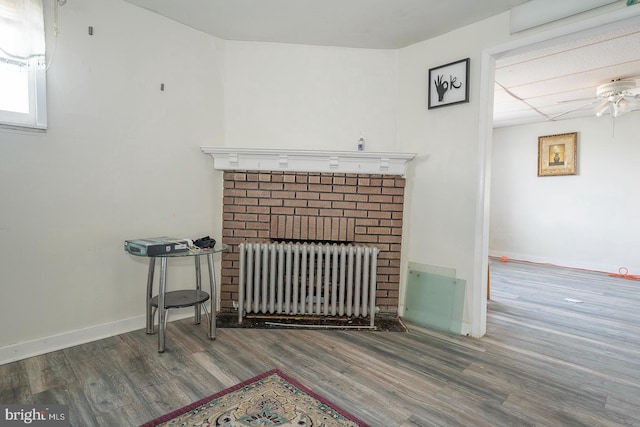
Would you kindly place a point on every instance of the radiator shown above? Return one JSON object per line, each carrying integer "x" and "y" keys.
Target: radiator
{"x": 307, "y": 279}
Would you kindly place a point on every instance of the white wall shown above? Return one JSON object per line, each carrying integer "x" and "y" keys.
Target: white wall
{"x": 442, "y": 190}
{"x": 589, "y": 220}
{"x": 309, "y": 97}
{"x": 120, "y": 160}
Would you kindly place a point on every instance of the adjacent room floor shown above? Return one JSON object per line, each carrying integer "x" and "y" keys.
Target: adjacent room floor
{"x": 562, "y": 349}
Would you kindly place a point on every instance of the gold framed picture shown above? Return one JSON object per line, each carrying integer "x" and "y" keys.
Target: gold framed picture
{"x": 557, "y": 154}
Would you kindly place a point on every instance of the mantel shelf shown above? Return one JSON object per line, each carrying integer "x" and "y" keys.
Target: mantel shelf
{"x": 258, "y": 159}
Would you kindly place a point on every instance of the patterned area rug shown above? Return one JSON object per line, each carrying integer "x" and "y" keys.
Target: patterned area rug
{"x": 270, "y": 399}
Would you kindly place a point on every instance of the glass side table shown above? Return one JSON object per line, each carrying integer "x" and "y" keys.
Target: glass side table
{"x": 164, "y": 301}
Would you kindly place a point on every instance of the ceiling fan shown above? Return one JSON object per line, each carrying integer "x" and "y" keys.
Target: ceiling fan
{"x": 614, "y": 98}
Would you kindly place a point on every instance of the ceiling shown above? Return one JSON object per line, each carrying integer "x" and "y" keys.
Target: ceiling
{"x": 530, "y": 87}
{"x": 376, "y": 24}
{"x": 548, "y": 83}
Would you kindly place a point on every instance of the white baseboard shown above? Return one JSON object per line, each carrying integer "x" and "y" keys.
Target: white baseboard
{"x": 23, "y": 350}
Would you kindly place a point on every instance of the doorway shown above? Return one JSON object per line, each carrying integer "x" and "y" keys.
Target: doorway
{"x": 606, "y": 22}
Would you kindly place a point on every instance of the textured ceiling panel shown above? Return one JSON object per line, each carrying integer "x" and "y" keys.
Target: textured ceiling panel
{"x": 572, "y": 43}
{"x": 579, "y": 85}
{"x": 563, "y": 78}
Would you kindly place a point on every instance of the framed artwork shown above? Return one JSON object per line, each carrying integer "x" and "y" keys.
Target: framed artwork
{"x": 557, "y": 154}
{"x": 449, "y": 84}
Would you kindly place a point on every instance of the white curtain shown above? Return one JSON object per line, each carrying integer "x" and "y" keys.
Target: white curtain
{"x": 21, "y": 30}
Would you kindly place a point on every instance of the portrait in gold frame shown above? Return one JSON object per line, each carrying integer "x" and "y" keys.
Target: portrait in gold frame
{"x": 557, "y": 154}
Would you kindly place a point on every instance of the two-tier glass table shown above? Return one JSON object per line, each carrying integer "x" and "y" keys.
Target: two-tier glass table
{"x": 166, "y": 300}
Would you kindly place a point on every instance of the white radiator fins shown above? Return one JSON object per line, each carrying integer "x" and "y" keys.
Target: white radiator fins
{"x": 265, "y": 276}
{"x": 279, "y": 283}
{"x": 256, "y": 278}
{"x": 310, "y": 296}
{"x": 319, "y": 275}
{"x": 350, "y": 282}
{"x": 287, "y": 289}
{"x": 365, "y": 279}
{"x": 356, "y": 291}
{"x": 272, "y": 277}
{"x": 307, "y": 279}
{"x": 249, "y": 276}
{"x": 298, "y": 308}
{"x": 330, "y": 284}
{"x": 342, "y": 273}
{"x": 372, "y": 291}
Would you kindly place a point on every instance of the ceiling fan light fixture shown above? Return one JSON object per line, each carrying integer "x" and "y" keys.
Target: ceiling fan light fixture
{"x": 614, "y": 97}
{"x": 602, "y": 108}
{"x": 615, "y": 111}
{"x": 624, "y": 106}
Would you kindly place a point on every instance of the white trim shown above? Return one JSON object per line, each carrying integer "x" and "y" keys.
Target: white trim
{"x": 36, "y": 118}
{"x": 26, "y": 349}
{"x": 478, "y": 326}
{"x": 617, "y": 18}
{"x": 260, "y": 159}
{"x": 539, "y": 12}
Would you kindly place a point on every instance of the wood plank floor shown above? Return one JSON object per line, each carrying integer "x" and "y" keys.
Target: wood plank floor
{"x": 562, "y": 349}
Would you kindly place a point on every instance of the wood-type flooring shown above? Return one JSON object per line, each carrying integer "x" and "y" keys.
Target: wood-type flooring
{"x": 562, "y": 349}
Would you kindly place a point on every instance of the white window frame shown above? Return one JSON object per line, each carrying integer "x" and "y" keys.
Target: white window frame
{"x": 36, "y": 118}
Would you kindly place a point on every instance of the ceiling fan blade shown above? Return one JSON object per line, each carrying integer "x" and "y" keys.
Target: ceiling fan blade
{"x": 571, "y": 110}
{"x": 566, "y": 101}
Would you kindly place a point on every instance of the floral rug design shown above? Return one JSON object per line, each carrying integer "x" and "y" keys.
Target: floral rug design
{"x": 270, "y": 399}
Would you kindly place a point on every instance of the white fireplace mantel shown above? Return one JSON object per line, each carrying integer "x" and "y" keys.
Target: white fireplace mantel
{"x": 259, "y": 159}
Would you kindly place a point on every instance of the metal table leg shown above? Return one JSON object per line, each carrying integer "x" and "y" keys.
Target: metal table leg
{"x": 152, "y": 264}
{"x": 198, "y": 310}
{"x": 162, "y": 312}
{"x": 213, "y": 297}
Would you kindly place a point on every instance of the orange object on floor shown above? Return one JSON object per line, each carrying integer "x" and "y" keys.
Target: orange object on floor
{"x": 624, "y": 273}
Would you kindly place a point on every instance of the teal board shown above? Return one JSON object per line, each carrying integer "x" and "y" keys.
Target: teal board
{"x": 434, "y": 298}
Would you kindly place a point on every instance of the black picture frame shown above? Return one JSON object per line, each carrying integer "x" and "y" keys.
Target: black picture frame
{"x": 449, "y": 84}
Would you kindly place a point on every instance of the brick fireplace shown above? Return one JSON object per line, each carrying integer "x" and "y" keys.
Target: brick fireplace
{"x": 266, "y": 204}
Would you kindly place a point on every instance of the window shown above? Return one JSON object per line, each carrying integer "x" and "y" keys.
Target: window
{"x": 22, "y": 64}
